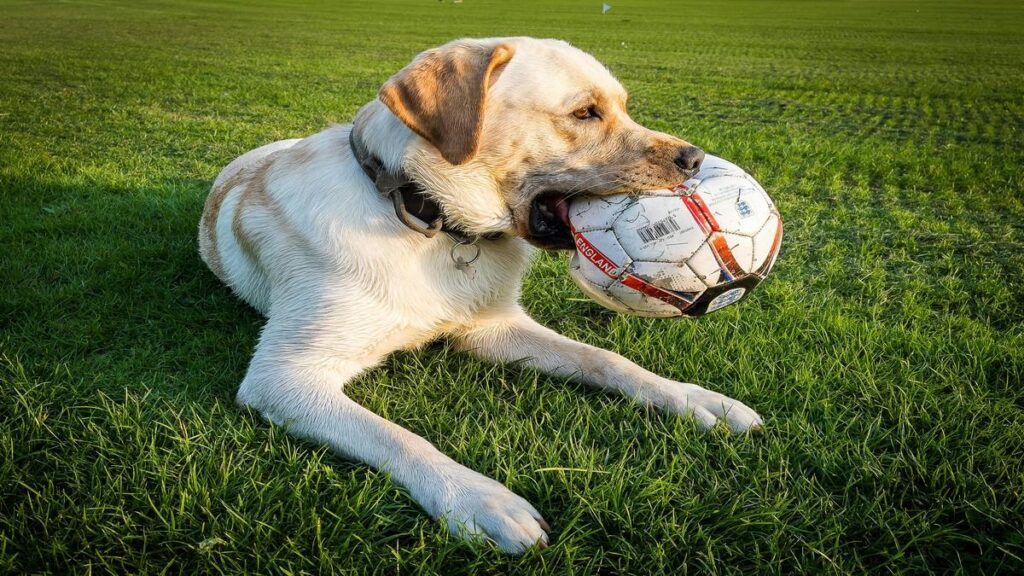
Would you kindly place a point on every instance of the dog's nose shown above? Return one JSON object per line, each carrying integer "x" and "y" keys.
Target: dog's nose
{"x": 689, "y": 158}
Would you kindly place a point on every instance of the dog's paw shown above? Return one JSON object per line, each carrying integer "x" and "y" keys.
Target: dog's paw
{"x": 479, "y": 507}
{"x": 708, "y": 407}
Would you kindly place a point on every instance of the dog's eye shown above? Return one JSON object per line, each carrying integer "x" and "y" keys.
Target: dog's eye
{"x": 586, "y": 113}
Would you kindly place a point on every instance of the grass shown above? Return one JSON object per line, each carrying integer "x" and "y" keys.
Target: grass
{"x": 886, "y": 351}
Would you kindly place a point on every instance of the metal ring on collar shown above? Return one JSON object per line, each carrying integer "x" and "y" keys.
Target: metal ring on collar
{"x": 458, "y": 243}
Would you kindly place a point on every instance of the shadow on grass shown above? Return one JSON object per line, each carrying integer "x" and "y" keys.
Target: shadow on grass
{"x": 106, "y": 283}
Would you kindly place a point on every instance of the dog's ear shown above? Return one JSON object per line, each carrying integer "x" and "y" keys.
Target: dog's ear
{"x": 442, "y": 93}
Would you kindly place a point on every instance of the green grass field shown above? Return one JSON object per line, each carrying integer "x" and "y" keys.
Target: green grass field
{"x": 886, "y": 352}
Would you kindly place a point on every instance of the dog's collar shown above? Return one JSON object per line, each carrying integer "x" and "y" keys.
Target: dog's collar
{"x": 413, "y": 205}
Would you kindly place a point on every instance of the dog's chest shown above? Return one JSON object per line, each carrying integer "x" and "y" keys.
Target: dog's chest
{"x": 425, "y": 294}
{"x": 461, "y": 279}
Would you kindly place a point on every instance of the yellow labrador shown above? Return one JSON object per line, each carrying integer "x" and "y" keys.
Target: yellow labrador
{"x": 416, "y": 222}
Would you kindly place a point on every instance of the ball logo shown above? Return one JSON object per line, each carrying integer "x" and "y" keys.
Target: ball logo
{"x": 587, "y": 250}
{"x": 726, "y": 298}
{"x": 744, "y": 209}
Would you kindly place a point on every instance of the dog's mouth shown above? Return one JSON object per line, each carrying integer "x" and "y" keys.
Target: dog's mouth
{"x": 548, "y": 223}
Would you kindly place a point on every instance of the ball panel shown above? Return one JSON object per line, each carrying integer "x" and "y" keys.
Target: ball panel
{"x": 589, "y": 213}
{"x": 742, "y": 250}
{"x": 705, "y": 266}
{"x": 764, "y": 243}
{"x": 600, "y": 294}
{"x": 641, "y": 304}
{"x": 735, "y": 203}
{"x": 658, "y": 228}
{"x": 670, "y": 276}
{"x": 773, "y": 252}
{"x": 602, "y": 250}
{"x": 585, "y": 269}
{"x": 658, "y": 192}
{"x": 714, "y": 165}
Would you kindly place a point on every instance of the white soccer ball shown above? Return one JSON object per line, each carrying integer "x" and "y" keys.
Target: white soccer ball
{"x": 685, "y": 251}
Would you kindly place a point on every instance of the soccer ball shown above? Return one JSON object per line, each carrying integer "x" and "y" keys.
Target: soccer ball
{"x": 685, "y": 251}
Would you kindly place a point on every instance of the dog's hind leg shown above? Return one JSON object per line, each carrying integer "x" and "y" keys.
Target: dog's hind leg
{"x": 294, "y": 383}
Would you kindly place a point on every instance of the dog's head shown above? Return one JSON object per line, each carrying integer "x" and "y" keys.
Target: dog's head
{"x": 510, "y": 127}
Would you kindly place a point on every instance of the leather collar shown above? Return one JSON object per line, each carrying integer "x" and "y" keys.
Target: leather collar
{"x": 413, "y": 206}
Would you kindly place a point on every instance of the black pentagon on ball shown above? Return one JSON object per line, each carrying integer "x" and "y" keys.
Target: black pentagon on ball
{"x": 707, "y": 304}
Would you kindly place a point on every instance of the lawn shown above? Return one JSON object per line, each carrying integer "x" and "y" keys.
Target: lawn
{"x": 886, "y": 350}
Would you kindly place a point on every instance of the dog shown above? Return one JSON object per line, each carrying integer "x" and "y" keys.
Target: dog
{"x": 417, "y": 222}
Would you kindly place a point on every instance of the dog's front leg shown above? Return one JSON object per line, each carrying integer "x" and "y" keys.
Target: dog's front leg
{"x": 297, "y": 384}
{"x": 512, "y": 335}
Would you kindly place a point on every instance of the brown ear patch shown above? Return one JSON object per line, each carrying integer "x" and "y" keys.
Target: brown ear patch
{"x": 442, "y": 94}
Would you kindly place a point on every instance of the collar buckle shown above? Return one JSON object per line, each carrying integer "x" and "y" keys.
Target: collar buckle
{"x": 395, "y": 185}
{"x": 398, "y": 199}
{"x": 428, "y": 218}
